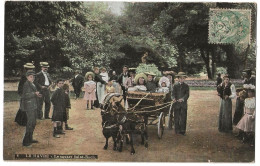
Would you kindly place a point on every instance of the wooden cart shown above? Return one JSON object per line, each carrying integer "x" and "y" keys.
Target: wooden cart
{"x": 154, "y": 107}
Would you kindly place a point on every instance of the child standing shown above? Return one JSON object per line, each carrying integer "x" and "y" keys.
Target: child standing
{"x": 90, "y": 89}
{"x": 59, "y": 108}
{"x": 66, "y": 89}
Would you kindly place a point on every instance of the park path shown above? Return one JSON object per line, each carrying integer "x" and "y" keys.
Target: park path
{"x": 202, "y": 143}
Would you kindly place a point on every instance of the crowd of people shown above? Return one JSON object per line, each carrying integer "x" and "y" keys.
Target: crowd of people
{"x": 34, "y": 90}
{"x": 244, "y": 116}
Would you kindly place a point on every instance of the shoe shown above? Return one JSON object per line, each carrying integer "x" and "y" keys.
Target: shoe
{"x": 60, "y": 132}
{"x": 34, "y": 141}
{"x": 68, "y": 128}
{"x": 56, "y": 136}
{"x": 182, "y": 133}
{"x": 47, "y": 118}
{"x": 27, "y": 144}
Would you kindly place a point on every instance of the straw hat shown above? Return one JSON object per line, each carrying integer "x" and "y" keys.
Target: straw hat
{"x": 132, "y": 69}
{"x": 89, "y": 73}
{"x": 181, "y": 74}
{"x": 139, "y": 76}
{"x": 150, "y": 73}
{"x": 29, "y": 66}
{"x": 44, "y": 64}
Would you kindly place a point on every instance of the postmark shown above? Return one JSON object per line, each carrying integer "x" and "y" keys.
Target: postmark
{"x": 229, "y": 26}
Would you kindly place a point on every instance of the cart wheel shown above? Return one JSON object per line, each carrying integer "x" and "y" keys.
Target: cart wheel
{"x": 170, "y": 117}
{"x": 161, "y": 125}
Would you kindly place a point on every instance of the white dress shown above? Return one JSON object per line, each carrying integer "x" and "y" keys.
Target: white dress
{"x": 247, "y": 122}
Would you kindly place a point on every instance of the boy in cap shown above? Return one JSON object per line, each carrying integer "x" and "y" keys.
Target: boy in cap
{"x": 58, "y": 100}
{"x": 29, "y": 104}
{"x": 43, "y": 82}
{"x": 77, "y": 83}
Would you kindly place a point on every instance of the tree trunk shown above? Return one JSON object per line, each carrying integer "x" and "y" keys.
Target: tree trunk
{"x": 206, "y": 60}
{"x": 233, "y": 62}
{"x": 213, "y": 67}
{"x": 181, "y": 58}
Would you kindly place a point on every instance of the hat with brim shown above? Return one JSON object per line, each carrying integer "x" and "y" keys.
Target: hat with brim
{"x": 29, "y": 66}
{"x": 181, "y": 74}
{"x": 28, "y": 73}
{"x": 172, "y": 73}
{"x": 44, "y": 64}
{"x": 165, "y": 80}
{"x": 132, "y": 69}
{"x": 226, "y": 76}
{"x": 89, "y": 73}
{"x": 150, "y": 73}
{"x": 139, "y": 76}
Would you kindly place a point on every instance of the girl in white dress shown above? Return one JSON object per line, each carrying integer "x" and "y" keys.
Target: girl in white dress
{"x": 247, "y": 122}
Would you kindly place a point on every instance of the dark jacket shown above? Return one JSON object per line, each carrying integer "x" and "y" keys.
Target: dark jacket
{"x": 29, "y": 100}
{"x": 151, "y": 86}
{"x": 40, "y": 80}
{"x": 98, "y": 78}
{"x": 58, "y": 100}
{"x": 120, "y": 78}
{"x": 78, "y": 81}
{"x": 181, "y": 91}
{"x": 20, "y": 85}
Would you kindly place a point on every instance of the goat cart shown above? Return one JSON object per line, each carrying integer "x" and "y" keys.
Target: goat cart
{"x": 154, "y": 107}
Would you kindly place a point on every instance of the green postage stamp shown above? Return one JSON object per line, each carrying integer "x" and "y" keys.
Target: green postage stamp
{"x": 229, "y": 26}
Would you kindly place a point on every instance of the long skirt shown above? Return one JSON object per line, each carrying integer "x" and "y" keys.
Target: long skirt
{"x": 239, "y": 112}
{"x": 100, "y": 91}
{"x": 247, "y": 124}
{"x": 225, "y": 116}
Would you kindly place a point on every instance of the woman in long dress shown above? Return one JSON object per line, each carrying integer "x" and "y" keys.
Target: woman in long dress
{"x": 226, "y": 91}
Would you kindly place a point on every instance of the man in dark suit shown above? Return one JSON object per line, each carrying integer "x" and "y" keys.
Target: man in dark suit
{"x": 77, "y": 83}
{"x": 29, "y": 104}
{"x": 122, "y": 79}
{"x": 180, "y": 95}
{"x": 43, "y": 82}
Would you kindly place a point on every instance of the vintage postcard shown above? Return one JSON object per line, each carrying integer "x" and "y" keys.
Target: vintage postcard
{"x": 118, "y": 81}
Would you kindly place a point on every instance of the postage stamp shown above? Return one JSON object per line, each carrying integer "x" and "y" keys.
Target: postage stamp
{"x": 229, "y": 26}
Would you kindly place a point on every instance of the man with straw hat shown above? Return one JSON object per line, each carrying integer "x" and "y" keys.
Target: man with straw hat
{"x": 150, "y": 85}
{"x": 180, "y": 95}
{"x": 29, "y": 104}
{"x": 21, "y": 118}
{"x": 43, "y": 82}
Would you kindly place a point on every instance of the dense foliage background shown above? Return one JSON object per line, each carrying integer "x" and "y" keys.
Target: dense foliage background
{"x": 81, "y": 35}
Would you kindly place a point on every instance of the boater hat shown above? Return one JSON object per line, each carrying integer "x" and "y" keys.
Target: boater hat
{"x": 89, "y": 73}
{"x": 181, "y": 74}
{"x": 29, "y": 66}
{"x": 139, "y": 76}
{"x": 150, "y": 73}
{"x": 44, "y": 64}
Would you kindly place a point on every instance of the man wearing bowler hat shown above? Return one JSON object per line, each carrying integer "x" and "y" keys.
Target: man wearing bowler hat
{"x": 29, "y": 104}
{"x": 43, "y": 82}
{"x": 180, "y": 95}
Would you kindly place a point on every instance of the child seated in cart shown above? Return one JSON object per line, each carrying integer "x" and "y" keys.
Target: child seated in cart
{"x": 140, "y": 81}
{"x": 164, "y": 84}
